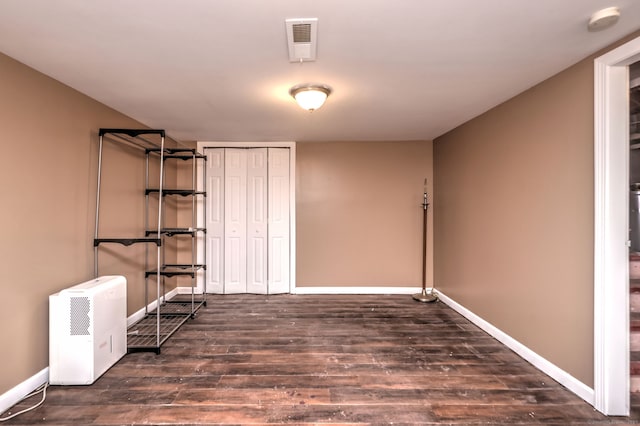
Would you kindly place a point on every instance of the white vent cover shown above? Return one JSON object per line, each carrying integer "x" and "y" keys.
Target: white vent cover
{"x": 302, "y": 36}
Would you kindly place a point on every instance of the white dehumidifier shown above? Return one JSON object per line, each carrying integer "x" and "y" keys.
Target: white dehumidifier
{"x": 87, "y": 330}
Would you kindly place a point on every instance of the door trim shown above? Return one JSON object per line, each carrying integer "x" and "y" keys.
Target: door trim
{"x": 292, "y": 197}
{"x": 611, "y": 233}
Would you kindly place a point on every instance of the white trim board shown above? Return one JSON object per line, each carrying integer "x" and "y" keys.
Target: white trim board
{"x": 139, "y": 314}
{"x": 611, "y": 228}
{"x": 542, "y": 364}
{"x": 187, "y": 290}
{"x": 357, "y": 290}
{"x": 18, "y": 392}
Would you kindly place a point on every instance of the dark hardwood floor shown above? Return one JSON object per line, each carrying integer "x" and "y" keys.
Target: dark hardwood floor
{"x": 250, "y": 359}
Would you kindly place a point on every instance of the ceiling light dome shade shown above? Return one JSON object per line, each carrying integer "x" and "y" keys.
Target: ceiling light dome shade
{"x": 310, "y": 96}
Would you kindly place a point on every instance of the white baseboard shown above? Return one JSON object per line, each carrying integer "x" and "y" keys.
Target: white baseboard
{"x": 356, "y": 290}
{"x": 138, "y": 315}
{"x": 542, "y": 364}
{"x": 17, "y": 393}
{"x": 187, "y": 290}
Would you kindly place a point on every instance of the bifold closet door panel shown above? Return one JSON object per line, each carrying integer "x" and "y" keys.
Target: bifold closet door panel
{"x": 279, "y": 239}
{"x": 248, "y": 241}
{"x": 257, "y": 220}
{"x": 235, "y": 223}
{"x": 215, "y": 221}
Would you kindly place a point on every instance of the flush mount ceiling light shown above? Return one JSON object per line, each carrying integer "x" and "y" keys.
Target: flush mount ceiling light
{"x": 310, "y": 96}
{"x": 604, "y": 19}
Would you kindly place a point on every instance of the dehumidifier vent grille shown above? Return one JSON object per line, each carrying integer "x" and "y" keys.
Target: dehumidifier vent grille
{"x": 79, "y": 315}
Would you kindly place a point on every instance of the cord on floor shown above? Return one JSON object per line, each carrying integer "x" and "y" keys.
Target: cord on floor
{"x": 41, "y": 388}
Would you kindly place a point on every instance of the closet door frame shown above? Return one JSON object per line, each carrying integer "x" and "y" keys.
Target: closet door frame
{"x": 202, "y": 145}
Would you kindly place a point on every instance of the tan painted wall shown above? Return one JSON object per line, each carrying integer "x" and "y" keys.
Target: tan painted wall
{"x": 48, "y": 172}
{"x": 359, "y": 220}
{"x": 514, "y": 218}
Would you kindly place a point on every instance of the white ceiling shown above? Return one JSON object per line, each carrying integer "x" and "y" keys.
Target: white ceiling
{"x": 219, "y": 69}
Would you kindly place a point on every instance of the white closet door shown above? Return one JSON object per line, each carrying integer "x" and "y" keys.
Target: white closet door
{"x": 235, "y": 229}
{"x": 278, "y": 201}
{"x": 257, "y": 220}
{"x": 215, "y": 220}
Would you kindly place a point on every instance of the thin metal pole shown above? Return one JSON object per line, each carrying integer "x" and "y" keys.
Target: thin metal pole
{"x": 425, "y": 205}
{"x": 194, "y": 234}
{"x": 146, "y": 228}
{"x": 203, "y": 235}
{"x": 95, "y": 234}
{"x": 424, "y": 296}
{"x": 160, "y": 187}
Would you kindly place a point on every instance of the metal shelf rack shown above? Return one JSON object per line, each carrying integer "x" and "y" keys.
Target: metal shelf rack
{"x": 159, "y": 323}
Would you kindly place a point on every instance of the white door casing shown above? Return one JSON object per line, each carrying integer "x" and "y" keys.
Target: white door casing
{"x": 284, "y": 227}
{"x": 611, "y": 228}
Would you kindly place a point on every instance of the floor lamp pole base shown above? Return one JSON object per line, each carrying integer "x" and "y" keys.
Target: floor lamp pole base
{"x": 425, "y": 297}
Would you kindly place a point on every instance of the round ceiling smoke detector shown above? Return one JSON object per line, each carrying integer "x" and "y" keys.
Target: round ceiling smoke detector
{"x": 604, "y": 19}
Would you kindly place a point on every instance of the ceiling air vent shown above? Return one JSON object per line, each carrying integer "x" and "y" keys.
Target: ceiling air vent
{"x": 302, "y": 39}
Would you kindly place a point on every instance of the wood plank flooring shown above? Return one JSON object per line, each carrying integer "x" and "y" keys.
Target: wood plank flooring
{"x": 292, "y": 359}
